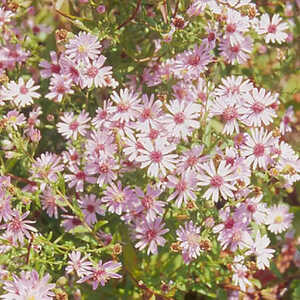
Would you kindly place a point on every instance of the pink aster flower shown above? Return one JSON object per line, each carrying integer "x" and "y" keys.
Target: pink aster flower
{"x": 149, "y": 203}
{"x": 80, "y": 265}
{"x": 150, "y": 234}
{"x": 90, "y": 206}
{"x": 18, "y": 227}
{"x": 257, "y": 107}
{"x": 95, "y": 73}
{"x": 69, "y": 222}
{"x": 14, "y": 118}
{"x": 60, "y": 85}
{"x": 185, "y": 186}
{"x": 102, "y": 273}
{"x": 127, "y": 105}
{"x": 238, "y": 52}
{"x": 116, "y": 198}
{"x": 182, "y": 119}
{"x": 240, "y": 274}
{"x": 5, "y": 16}
{"x": 71, "y": 70}
{"x": 50, "y": 68}
{"x": 83, "y": 47}
{"x": 157, "y": 156}
{"x": 287, "y": 119}
{"x": 189, "y": 238}
{"x": 28, "y": 286}
{"x": 260, "y": 250}
{"x": 73, "y": 125}
{"x": 257, "y": 148}
{"x": 229, "y": 112}
{"x": 49, "y": 203}
{"x": 21, "y": 93}
{"x": 219, "y": 181}
{"x": 279, "y": 219}
{"x": 5, "y": 206}
{"x": 273, "y": 29}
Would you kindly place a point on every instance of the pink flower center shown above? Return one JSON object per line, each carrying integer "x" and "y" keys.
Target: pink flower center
{"x": 179, "y": 118}
{"x": 202, "y": 96}
{"x": 235, "y": 49}
{"x": 146, "y": 113}
{"x": 229, "y": 223}
{"x": 216, "y": 181}
{"x": 151, "y": 234}
{"x": 258, "y": 107}
{"x": 123, "y": 107}
{"x": 211, "y": 36}
{"x": 251, "y": 208}
{"x": 15, "y": 225}
{"x": 55, "y": 68}
{"x": 231, "y": 28}
{"x": 229, "y": 160}
{"x": 156, "y": 156}
{"x": 73, "y": 125}
{"x": 74, "y": 72}
{"x": 153, "y": 134}
{"x": 286, "y": 120}
{"x": 23, "y": 90}
{"x": 272, "y": 28}
{"x": 61, "y": 89}
{"x": 74, "y": 156}
{"x": 80, "y": 175}
{"x": 92, "y": 72}
{"x": 103, "y": 168}
{"x": 181, "y": 186}
{"x": 194, "y": 60}
{"x": 13, "y": 53}
{"x": 90, "y": 208}
{"x": 229, "y": 113}
{"x": 147, "y": 202}
{"x": 192, "y": 160}
{"x": 259, "y": 150}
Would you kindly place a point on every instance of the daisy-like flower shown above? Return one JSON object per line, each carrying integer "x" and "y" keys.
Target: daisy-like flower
{"x": 60, "y": 85}
{"x": 73, "y": 125}
{"x": 95, "y": 73}
{"x": 279, "y": 219}
{"x": 83, "y": 47}
{"x": 91, "y": 206}
{"x": 150, "y": 234}
{"x": 14, "y": 118}
{"x": 18, "y": 227}
{"x": 257, "y": 148}
{"x": 189, "y": 239}
{"x": 5, "y": 16}
{"x": 238, "y": 52}
{"x": 240, "y": 273}
{"x": 50, "y": 68}
{"x": 149, "y": 204}
{"x": 49, "y": 203}
{"x": 102, "y": 273}
{"x": 127, "y": 105}
{"x": 182, "y": 119}
{"x": 69, "y": 222}
{"x": 116, "y": 198}
{"x": 287, "y": 119}
{"x": 184, "y": 187}
{"x": 157, "y": 156}
{"x": 5, "y": 207}
{"x": 273, "y": 29}
{"x": 257, "y": 107}
{"x": 230, "y": 113}
{"x": 81, "y": 265}
{"x": 260, "y": 250}
{"x": 21, "y": 93}
{"x": 28, "y": 286}
{"x": 219, "y": 181}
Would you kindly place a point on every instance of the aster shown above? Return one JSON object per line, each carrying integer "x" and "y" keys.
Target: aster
{"x": 69, "y": 222}
{"x": 279, "y": 219}
{"x": 49, "y": 202}
{"x": 50, "y": 68}
{"x": 81, "y": 265}
{"x": 150, "y": 234}
{"x": 240, "y": 274}
{"x": 5, "y": 205}
{"x": 287, "y": 119}
{"x": 14, "y": 118}
{"x": 5, "y": 16}
{"x": 60, "y": 85}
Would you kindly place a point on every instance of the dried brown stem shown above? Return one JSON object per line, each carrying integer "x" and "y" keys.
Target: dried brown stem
{"x": 132, "y": 17}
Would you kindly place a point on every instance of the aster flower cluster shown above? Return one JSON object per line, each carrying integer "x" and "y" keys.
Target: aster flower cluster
{"x": 100, "y": 179}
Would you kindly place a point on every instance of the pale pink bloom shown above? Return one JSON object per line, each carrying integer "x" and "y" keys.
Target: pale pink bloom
{"x": 182, "y": 119}
{"x": 236, "y": 25}
{"x": 71, "y": 157}
{"x": 78, "y": 178}
{"x": 102, "y": 273}
{"x": 132, "y": 147}
{"x": 70, "y": 70}
{"x": 257, "y": 107}
{"x": 103, "y": 115}
{"x": 238, "y": 52}
{"x": 5, "y": 206}
{"x": 14, "y": 118}
{"x": 127, "y": 105}
{"x": 5, "y": 16}
{"x": 158, "y": 157}
{"x": 69, "y": 222}
{"x": 50, "y": 68}
{"x": 49, "y": 202}
{"x": 14, "y": 53}
{"x": 95, "y": 73}
{"x": 60, "y": 85}
{"x": 21, "y": 93}
{"x": 287, "y": 119}
{"x": 273, "y": 29}
{"x": 240, "y": 274}
{"x": 81, "y": 265}
{"x": 28, "y": 286}
{"x": 189, "y": 238}
{"x": 185, "y": 187}
{"x": 83, "y": 47}
{"x": 73, "y": 125}
{"x": 279, "y": 219}
{"x": 104, "y": 169}
{"x": 219, "y": 181}
{"x": 116, "y": 198}
{"x": 90, "y": 206}
{"x": 150, "y": 234}
{"x": 257, "y": 148}
{"x": 149, "y": 203}
{"x": 236, "y": 3}
{"x": 229, "y": 112}
{"x": 198, "y": 6}
{"x": 260, "y": 250}
{"x": 18, "y": 227}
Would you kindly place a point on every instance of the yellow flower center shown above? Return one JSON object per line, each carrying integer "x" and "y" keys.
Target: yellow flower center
{"x": 278, "y": 219}
{"x": 81, "y": 49}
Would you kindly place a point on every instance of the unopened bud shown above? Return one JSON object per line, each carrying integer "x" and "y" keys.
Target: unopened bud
{"x": 117, "y": 249}
{"x": 175, "y": 247}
